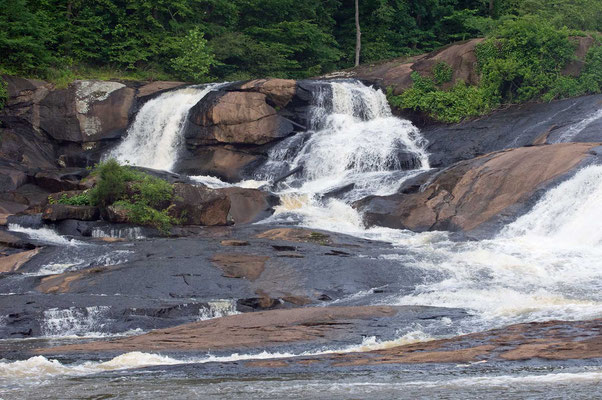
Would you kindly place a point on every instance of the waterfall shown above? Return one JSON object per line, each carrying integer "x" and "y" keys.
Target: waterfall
{"x": 545, "y": 265}
{"x": 155, "y": 137}
{"x": 568, "y": 215}
{"x": 355, "y": 140}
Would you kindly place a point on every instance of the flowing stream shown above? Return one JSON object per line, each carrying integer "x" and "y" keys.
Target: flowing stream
{"x": 545, "y": 265}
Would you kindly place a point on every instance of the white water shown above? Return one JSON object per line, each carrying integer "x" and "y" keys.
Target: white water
{"x": 45, "y": 235}
{"x": 356, "y": 141}
{"x": 218, "y": 309}
{"x": 577, "y": 128}
{"x": 40, "y": 367}
{"x": 155, "y": 137}
{"x": 74, "y": 321}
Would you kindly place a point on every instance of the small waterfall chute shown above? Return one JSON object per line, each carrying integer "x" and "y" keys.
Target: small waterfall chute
{"x": 155, "y": 137}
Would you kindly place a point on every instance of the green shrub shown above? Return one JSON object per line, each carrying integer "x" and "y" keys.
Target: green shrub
{"x": 142, "y": 214}
{"x": 111, "y": 185}
{"x": 453, "y": 105}
{"x": 442, "y": 73}
{"x": 522, "y": 60}
{"x": 146, "y": 198}
{"x": 77, "y": 200}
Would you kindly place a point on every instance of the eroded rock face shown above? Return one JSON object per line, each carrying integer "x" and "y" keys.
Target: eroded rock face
{"x": 249, "y": 205}
{"x": 397, "y": 73}
{"x": 235, "y": 117}
{"x": 471, "y": 193}
{"x": 199, "y": 205}
{"x": 60, "y": 212}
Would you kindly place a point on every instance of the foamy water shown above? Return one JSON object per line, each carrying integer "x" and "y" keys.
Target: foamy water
{"x": 45, "y": 235}
{"x": 155, "y": 137}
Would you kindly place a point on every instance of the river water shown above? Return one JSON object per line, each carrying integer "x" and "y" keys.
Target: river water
{"x": 545, "y": 265}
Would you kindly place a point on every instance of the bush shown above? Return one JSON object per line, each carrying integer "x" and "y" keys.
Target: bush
{"x": 451, "y": 106}
{"x": 522, "y": 60}
{"x": 194, "y": 59}
{"x": 145, "y": 197}
{"x": 77, "y": 200}
{"x": 442, "y": 73}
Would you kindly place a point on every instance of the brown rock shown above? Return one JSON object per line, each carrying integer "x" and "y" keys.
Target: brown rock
{"x": 249, "y": 205}
{"x": 236, "y": 243}
{"x": 116, "y": 213}
{"x": 11, "y": 179}
{"x": 257, "y": 329}
{"x": 225, "y": 163}
{"x": 56, "y": 181}
{"x": 295, "y": 235}
{"x": 278, "y": 91}
{"x": 584, "y": 43}
{"x": 13, "y": 262}
{"x": 199, "y": 205}
{"x": 461, "y": 57}
{"x": 235, "y": 117}
{"x": 10, "y": 240}
{"x": 235, "y": 265}
{"x": 472, "y": 192}
{"x": 153, "y": 88}
{"x": 60, "y": 212}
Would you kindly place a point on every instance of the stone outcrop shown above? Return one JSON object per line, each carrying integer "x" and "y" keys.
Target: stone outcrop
{"x": 249, "y": 205}
{"x": 50, "y": 127}
{"x": 235, "y": 117}
{"x": 231, "y": 130}
{"x": 199, "y": 205}
{"x": 397, "y": 73}
{"x": 471, "y": 193}
{"x": 251, "y": 330}
{"x": 60, "y": 212}
{"x": 12, "y": 262}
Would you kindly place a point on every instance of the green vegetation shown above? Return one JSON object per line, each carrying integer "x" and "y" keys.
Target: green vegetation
{"x": 203, "y": 40}
{"x": 145, "y": 198}
{"x": 521, "y": 60}
{"x": 452, "y": 105}
{"x": 82, "y": 199}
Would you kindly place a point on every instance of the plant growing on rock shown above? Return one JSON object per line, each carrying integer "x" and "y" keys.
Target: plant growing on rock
{"x": 145, "y": 198}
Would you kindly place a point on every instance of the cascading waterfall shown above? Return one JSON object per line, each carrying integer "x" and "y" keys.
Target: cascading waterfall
{"x": 155, "y": 137}
{"x": 545, "y": 265}
{"x": 356, "y": 146}
{"x": 356, "y": 141}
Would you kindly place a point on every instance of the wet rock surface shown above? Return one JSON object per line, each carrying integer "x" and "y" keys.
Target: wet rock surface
{"x": 161, "y": 282}
{"x": 469, "y": 194}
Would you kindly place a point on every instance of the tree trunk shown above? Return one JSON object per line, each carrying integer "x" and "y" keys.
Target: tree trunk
{"x": 491, "y": 7}
{"x": 358, "y": 34}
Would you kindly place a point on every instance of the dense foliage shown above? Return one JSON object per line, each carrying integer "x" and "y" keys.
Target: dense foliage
{"x": 145, "y": 198}
{"x": 200, "y": 40}
{"x": 521, "y": 60}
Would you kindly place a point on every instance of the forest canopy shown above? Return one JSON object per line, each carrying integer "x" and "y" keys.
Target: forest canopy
{"x": 203, "y": 40}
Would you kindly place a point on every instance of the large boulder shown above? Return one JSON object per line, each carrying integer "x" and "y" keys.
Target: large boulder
{"x": 235, "y": 117}
{"x": 471, "y": 193}
{"x": 199, "y": 205}
{"x": 461, "y": 57}
{"x": 279, "y": 92}
{"x": 249, "y": 205}
{"x": 571, "y": 120}
{"x": 224, "y": 162}
{"x": 87, "y": 111}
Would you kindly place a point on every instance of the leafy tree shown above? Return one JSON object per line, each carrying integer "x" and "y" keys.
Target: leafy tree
{"x": 194, "y": 59}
